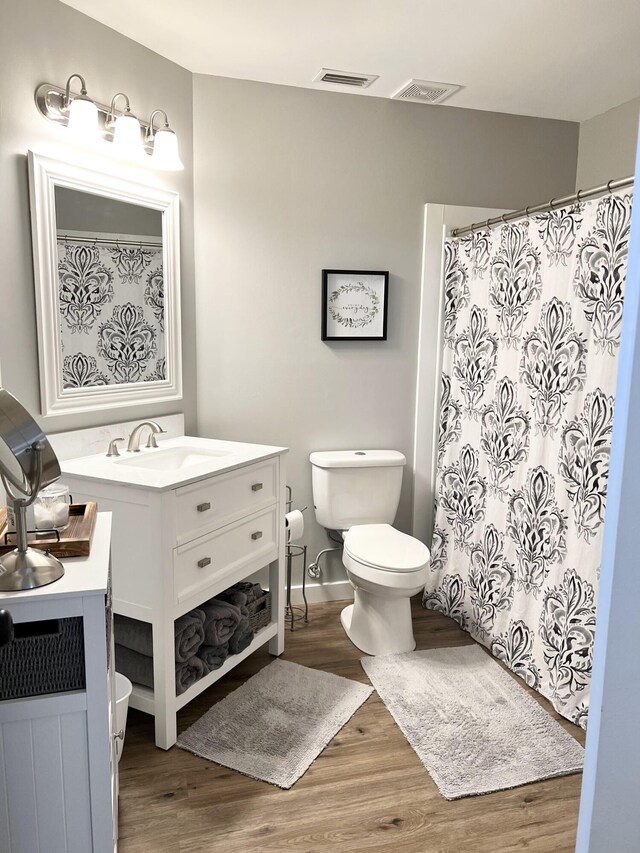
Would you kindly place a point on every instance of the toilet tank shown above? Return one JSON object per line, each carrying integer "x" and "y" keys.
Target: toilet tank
{"x": 356, "y": 486}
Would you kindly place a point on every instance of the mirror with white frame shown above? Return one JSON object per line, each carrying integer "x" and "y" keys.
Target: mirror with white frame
{"x": 107, "y": 278}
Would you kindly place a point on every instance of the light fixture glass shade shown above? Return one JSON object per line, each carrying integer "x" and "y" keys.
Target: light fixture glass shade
{"x": 83, "y": 118}
{"x": 127, "y": 138}
{"x": 165, "y": 150}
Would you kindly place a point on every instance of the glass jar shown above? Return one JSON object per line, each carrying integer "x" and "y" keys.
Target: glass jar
{"x": 51, "y": 507}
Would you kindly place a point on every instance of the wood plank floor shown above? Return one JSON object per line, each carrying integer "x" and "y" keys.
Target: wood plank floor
{"x": 366, "y": 792}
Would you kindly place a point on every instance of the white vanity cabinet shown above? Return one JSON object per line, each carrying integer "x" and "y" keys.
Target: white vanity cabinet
{"x": 58, "y": 765}
{"x": 180, "y": 540}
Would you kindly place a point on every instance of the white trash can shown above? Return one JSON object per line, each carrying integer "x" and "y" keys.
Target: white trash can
{"x": 123, "y": 691}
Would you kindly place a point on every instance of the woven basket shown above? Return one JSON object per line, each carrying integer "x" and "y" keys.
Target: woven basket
{"x": 260, "y": 611}
{"x": 44, "y": 657}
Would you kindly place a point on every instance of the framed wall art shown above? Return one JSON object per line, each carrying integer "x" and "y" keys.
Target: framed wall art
{"x": 354, "y": 305}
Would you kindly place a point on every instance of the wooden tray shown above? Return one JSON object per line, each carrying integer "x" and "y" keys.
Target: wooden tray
{"x": 75, "y": 539}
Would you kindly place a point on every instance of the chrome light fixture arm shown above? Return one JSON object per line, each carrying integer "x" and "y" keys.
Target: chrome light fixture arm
{"x": 66, "y": 99}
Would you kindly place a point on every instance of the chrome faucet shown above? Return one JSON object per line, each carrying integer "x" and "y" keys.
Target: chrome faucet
{"x": 134, "y": 438}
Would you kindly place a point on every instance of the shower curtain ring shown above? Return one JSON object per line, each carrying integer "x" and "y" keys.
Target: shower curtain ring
{"x": 526, "y": 212}
{"x": 609, "y": 185}
{"x": 551, "y": 204}
{"x": 504, "y": 221}
{"x": 487, "y": 226}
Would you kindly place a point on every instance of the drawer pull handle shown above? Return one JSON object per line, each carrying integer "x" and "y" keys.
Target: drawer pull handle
{"x": 205, "y": 561}
{"x": 257, "y": 534}
{"x": 256, "y": 487}
{"x": 203, "y": 507}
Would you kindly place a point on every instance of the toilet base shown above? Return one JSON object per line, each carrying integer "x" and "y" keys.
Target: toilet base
{"x": 379, "y": 626}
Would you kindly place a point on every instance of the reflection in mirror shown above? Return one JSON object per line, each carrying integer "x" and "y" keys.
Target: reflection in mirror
{"x": 110, "y": 290}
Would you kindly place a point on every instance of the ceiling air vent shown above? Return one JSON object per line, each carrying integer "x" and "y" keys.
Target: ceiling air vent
{"x": 425, "y": 92}
{"x": 345, "y": 78}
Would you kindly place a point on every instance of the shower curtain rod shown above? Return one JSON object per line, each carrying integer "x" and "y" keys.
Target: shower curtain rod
{"x": 611, "y": 186}
{"x": 108, "y": 241}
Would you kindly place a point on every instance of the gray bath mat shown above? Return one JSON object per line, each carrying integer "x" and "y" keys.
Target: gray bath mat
{"x": 471, "y": 725}
{"x": 275, "y": 725}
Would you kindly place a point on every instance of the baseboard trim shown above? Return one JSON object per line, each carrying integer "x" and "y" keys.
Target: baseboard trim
{"x": 317, "y": 592}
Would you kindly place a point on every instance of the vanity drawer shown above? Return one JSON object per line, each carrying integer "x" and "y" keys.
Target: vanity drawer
{"x": 211, "y": 558}
{"x": 219, "y": 500}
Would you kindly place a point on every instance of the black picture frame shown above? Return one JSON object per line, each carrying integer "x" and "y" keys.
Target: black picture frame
{"x": 370, "y": 314}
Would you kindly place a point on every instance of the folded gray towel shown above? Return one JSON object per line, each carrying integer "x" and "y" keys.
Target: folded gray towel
{"x": 137, "y": 667}
{"x": 234, "y": 596}
{"x": 188, "y": 672}
{"x": 251, "y": 590}
{"x": 220, "y": 621}
{"x": 213, "y": 656}
{"x": 242, "y": 637}
{"x": 133, "y": 634}
{"x": 137, "y": 636}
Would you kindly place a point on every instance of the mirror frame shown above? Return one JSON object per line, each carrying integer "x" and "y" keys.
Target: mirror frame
{"x": 45, "y": 174}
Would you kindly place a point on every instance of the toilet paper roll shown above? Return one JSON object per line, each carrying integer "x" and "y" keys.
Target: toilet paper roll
{"x": 294, "y": 523}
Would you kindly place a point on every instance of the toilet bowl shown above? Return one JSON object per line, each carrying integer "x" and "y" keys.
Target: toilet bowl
{"x": 385, "y": 568}
{"x": 357, "y": 492}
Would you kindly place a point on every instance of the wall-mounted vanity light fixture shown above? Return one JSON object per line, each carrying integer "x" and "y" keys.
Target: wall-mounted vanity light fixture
{"x": 88, "y": 120}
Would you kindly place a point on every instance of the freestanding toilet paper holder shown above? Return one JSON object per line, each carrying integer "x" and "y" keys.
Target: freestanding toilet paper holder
{"x": 295, "y": 613}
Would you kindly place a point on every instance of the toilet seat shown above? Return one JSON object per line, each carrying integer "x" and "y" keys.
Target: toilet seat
{"x": 383, "y": 548}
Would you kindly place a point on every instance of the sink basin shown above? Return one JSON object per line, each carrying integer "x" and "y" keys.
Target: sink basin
{"x": 175, "y": 462}
{"x": 172, "y": 459}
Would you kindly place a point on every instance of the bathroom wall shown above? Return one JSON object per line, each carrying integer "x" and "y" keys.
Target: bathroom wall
{"x": 288, "y": 181}
{"x": 46, "y": 41}
{"x": 607, "y": 146}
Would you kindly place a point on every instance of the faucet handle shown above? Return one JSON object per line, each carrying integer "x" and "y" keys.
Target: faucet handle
{"x": 151, "y": 441}
{"x": 113, "y": 447}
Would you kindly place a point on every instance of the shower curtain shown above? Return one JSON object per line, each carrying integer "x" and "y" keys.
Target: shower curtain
{"x": 531, "y": 331}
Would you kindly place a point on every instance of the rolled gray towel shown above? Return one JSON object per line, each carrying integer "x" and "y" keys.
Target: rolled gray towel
{"x": 137, "y": 667}
{"x": 213, "y": 656}
{"x": 242, "y": 637}
{"x": 137, "y": 635}
{"x": 220, "y": 621}
{"x": 189, "y": 635}
{"x": 188, "y": 672}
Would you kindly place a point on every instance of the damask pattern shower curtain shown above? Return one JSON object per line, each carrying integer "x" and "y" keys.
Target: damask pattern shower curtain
{"x": 532, "y": 322}
{"x": 111, "y": 301}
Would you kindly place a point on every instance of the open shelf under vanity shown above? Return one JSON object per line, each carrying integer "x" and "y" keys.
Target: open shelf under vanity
{"x": 175, "y": 548}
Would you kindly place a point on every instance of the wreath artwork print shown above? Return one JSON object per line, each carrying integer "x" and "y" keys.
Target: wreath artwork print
{"x": 354, "y": 305}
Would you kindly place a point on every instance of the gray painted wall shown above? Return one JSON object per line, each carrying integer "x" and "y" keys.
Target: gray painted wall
{"x": 607, "y": 147}
{"x": 288, "y": 181}
{"x": 46, "y": 41}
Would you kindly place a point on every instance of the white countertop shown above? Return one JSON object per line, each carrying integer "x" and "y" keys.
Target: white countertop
{"x": 129, "y": 469}
{"x": 82, "y": 575}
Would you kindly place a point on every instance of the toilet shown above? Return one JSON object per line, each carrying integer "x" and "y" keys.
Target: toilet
{"x": 356, "y": 492}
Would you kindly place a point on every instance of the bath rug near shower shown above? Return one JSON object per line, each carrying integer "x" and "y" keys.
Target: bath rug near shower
{"x": 472, "y": 726}
{"x": 275, "y": 725}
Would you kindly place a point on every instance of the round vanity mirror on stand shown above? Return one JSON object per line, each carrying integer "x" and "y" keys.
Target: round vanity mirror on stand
{"x": 27, "y": 464}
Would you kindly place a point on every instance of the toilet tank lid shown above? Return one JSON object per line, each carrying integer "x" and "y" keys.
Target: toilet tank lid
{"x": 357, "y": 458}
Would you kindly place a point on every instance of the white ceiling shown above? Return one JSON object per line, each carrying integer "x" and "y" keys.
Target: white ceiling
{"x": 566, "y": 59}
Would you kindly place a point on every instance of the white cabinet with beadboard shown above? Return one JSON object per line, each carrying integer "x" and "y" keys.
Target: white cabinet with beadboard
{"x": 58, "y": 766}
{"x": 175, "y": 547}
